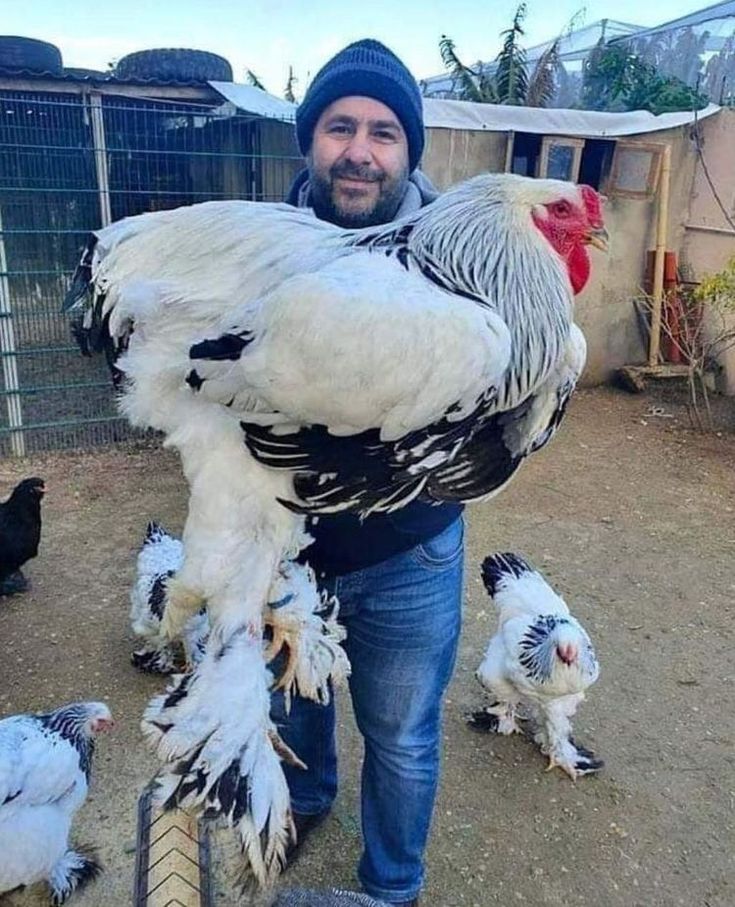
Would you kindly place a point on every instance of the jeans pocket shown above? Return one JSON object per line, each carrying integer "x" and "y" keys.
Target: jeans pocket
{"x": 443, "y": 550}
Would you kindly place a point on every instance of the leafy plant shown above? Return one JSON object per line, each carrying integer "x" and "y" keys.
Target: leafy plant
{"x": 471, "y": 84}
{"x": 511, "y": 75}
{"x": 703, "y": 331}
{"x": 616, "y": 78}
{"x": 507, "y": 80}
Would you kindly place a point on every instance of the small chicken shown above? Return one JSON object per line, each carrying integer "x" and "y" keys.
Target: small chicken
{"x": 159, "y": 559}
{"x": 45, "y": 764}
{"x": 540, "y": 659}
{"x": 20, "y": 533}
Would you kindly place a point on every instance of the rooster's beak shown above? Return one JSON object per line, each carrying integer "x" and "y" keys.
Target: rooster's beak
{"x": 100, "y": 725}
{"x": 599, "y": 238}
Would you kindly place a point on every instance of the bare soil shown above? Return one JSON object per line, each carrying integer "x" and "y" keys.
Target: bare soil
{"x": 629, "y": 513}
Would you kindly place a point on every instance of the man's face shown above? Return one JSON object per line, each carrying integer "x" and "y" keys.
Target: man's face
{"x": 358, "y": 163}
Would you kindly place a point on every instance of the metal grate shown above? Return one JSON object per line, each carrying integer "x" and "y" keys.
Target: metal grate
{"x": 70, "y": 163}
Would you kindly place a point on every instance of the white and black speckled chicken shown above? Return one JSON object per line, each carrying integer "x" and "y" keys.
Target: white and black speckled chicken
{"x": 540, "y": 660}
{"x": 20, "y": 533}
{"x": 45, "y": 764}
{"x": 159, "y": 559}
{"x": 292, "y": 362}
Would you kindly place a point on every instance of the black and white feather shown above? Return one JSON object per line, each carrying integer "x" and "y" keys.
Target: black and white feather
{"x": 45, "y": 766}
{"x": 159, "y": 559}
{"x": 539, "y": 663}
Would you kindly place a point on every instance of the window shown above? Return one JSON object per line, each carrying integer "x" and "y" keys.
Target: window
{"x": 635, "y": 169}
{"x": 559, "y": 157}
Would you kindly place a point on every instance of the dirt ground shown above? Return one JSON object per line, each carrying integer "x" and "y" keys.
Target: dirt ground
{"x": 630, "y": 515}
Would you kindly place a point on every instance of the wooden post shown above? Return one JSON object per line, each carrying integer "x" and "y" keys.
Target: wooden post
{"x": 510, "y": 139}
{"x": 657, "y": 293}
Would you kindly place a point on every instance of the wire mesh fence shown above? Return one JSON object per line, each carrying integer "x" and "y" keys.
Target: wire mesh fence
{"x": 70, "y": 163}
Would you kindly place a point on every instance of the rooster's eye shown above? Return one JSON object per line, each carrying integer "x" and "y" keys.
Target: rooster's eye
{"x": 561, "y": 209}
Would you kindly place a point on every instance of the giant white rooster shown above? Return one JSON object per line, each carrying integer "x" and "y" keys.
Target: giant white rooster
{"x": 292, "y": 361}
{"x": 540, "y": 660}
{"x": 45, "y": 765}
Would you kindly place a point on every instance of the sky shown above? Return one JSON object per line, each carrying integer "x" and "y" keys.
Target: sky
{"x": 266, "y": 36}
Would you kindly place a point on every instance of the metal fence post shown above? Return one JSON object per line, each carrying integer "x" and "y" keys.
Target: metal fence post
{"x": 100, "y": 156}
{"x": 9, "y": 359}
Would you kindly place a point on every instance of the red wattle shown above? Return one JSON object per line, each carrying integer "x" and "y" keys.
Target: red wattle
{"x": 578, "y": 265}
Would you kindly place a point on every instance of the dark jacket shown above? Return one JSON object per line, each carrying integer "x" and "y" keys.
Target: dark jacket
{"x": 343, "y": 542}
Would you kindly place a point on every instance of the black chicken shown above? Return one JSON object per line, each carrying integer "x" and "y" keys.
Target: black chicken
{"x": 20, "y": 533}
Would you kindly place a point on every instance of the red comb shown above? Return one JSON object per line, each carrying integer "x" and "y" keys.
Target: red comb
{"x": 592, "y": 204}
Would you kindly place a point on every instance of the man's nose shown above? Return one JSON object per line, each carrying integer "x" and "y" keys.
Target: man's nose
{"x": 359, "y": 150}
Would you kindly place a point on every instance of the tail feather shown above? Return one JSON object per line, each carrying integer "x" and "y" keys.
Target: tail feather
{"x": 82, "y": 279}
{"x": 497, "y": 568}
{"x": 154, "y": 532}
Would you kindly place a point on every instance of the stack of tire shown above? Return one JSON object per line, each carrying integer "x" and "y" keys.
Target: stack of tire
{"x": 19, "y": 55}
{"x": 29, "y": 55}
{"x": 173, "y": 65}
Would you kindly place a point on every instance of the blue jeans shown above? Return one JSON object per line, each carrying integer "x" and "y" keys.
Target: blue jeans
{"x": 403, "y": 619}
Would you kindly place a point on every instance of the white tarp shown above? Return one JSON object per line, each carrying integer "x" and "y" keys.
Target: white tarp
{"x": 441, "y": 114}
{"x": 253, "y": 100}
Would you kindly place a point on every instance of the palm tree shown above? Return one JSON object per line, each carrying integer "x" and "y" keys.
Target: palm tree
{"x": 511, "y": 75}
{"x": 288, "y": 92}
{"x": 254, "y": 80}
{"x": 509, "y": 82}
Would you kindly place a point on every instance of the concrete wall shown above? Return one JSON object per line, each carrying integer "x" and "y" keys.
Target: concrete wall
{"x": 605, "y": 310}
{"x": 709, "y": 240}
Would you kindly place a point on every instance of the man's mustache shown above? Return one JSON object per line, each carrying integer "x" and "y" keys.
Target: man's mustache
{"x": 356, "y": 172}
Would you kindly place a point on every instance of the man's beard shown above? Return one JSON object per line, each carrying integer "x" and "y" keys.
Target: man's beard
{"x": 390, "y": 195}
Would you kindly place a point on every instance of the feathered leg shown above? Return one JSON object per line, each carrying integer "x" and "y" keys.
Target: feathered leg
{"x": 72, "y": 872}
{"x": 303, "y": 621}
{"x": 500, "y": 716}
{"x": 554, "y": 736}
{"x": 497, "y": 718}
{"x": 219, "y": 750}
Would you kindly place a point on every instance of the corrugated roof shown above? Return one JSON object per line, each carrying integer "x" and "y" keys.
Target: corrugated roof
{"x": 105, "y": 80}
{"x": 708, "y": 14}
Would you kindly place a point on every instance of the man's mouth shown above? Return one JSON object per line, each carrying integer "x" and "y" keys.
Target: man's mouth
{"x": 355, "y": 181}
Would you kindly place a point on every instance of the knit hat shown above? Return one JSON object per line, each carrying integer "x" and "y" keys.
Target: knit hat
{"x": 369, "y": 69}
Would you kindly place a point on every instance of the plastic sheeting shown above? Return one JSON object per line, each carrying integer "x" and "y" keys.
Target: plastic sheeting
{"x": 442, "y": 114}
{"x": 254, "y": 100}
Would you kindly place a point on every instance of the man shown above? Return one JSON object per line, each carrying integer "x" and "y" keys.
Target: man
{"x": 398, "y": 577}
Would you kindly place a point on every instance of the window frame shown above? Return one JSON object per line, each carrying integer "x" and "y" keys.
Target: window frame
{"x": 654, "y": 170}
{"x": 566, "y": 141}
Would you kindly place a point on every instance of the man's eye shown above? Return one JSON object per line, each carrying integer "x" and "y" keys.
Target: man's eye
{"x": 339, "y": 129}
{"x": 385, "y": 135}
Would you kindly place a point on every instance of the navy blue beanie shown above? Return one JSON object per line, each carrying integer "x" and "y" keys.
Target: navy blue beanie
{"x": 366, "y": 68}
